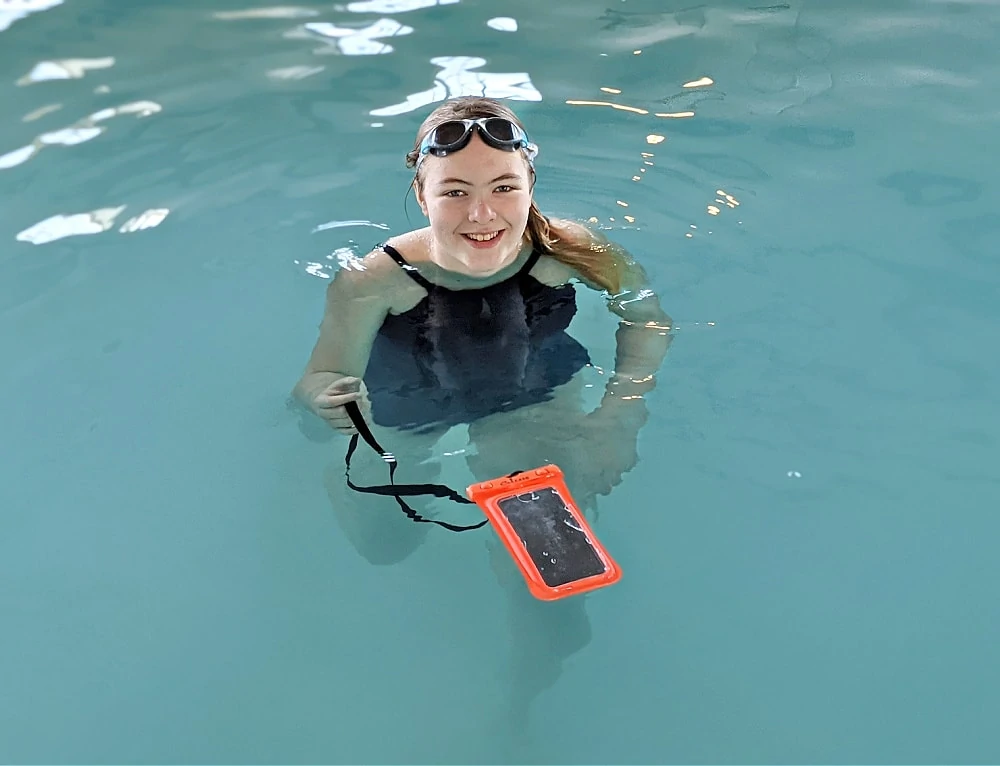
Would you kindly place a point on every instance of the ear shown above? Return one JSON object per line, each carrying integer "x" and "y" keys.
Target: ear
{"x": 419, "y": 194}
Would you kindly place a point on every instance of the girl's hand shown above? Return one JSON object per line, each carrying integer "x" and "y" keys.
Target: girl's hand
{"x": 329, "y": 403}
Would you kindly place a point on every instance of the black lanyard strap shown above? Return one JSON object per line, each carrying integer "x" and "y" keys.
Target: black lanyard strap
{"x": 400, "y": 490}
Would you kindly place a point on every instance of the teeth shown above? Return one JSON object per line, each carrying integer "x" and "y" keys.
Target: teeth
{"x": 482, "y": 237}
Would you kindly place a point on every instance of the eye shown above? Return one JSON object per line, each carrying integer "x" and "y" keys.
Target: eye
{"x": 504, "y": 188}
{"x": 453, "y": 193}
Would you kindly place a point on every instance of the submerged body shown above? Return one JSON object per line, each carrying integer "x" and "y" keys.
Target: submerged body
{"x": 461, "y": 354}
{"x": 466, "y": 319}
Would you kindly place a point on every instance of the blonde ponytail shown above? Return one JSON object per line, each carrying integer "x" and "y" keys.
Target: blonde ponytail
{"x": 596, "y": 259}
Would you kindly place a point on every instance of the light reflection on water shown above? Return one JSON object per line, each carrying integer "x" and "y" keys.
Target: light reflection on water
{"x": 12, "y": 10}
{"x": 81, "y": 131}
{"x": 93, "y": 222}
{"x": 359, "y": 42}
{"x": 456, "y": 78}
{"x": 393, "y": 6}
{"x": 65, "y": 69}
{"x": 277, "y": 12}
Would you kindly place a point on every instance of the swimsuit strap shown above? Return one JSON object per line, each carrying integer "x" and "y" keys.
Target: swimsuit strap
{"x": 411, "y": 271}
{"x": 530, "y": 263}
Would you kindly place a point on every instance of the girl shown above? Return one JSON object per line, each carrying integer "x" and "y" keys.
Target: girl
{"x": 466, "y": 318}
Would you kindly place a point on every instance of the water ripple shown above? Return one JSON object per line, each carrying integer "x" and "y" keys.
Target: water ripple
{"x": 276, "y": 12}
{"x": 60, "y": 226}
{"x": 12, "y": 10}
{"x": 37, "y": 114}
{"x": 457, "y": 79}
{"x": 502, "y": 24}
{"x": 64, "y": 69}
{"x": 341, "y": 224}
{"x": 392, "y": 6}
{"x": 77, "y": 133}
{"x": 358, "y": 42}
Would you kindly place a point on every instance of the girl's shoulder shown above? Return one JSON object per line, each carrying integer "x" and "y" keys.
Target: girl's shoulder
{"x": 550, "y": 270}
{"x": 377, "y": 276}
{"x": 553, "y": 273}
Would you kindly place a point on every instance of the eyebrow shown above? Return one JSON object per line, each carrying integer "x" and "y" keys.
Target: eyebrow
{"x": 504, "y": 177}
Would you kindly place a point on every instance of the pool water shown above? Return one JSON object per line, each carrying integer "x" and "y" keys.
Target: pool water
{"x": 808, "y": 538}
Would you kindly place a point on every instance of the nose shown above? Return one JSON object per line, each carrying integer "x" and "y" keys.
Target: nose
{"x": 481, "y": 212}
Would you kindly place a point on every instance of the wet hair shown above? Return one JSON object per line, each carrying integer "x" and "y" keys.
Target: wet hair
{"x": 594, "y": 258}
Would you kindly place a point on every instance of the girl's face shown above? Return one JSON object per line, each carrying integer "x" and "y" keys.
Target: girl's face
{"x": 477, "y": 201}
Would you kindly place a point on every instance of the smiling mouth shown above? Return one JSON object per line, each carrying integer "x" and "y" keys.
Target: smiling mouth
{"x": 483, "y": 237}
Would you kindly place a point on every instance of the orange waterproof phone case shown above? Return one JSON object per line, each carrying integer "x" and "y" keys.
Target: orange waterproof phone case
{"x": 546, "y": 534}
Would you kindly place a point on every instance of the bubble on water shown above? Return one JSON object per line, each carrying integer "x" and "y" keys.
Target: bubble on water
{"x": 552, "y": 560}
{"x": 794, "y": 475}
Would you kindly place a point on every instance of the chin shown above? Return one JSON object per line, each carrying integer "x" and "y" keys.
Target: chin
{"x": 480, "y": 269}
{"x": 486, "y": 260}
{"x": 486, "y": 264}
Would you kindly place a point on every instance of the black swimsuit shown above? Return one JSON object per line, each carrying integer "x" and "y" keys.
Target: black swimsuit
{"x": 459, "y": 355}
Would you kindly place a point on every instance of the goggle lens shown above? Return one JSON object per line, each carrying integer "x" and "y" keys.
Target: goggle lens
{"x": 501, "y": 130}
{"x": 449, "y": 133}
{"x": 498, "y": 132}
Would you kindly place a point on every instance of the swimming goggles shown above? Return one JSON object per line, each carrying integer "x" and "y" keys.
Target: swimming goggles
{"x": 497, "y": 132}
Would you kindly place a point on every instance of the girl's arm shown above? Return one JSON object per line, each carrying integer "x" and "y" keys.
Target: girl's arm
{"x": 643, "y": 336}
{"x": 357, "y": 301}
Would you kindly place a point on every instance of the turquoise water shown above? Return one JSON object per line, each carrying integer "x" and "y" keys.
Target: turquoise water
{"x": 808, "y": 537}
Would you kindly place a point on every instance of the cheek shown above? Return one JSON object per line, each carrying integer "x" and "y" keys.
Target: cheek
{"x": 519, "y": 208}
{"x": 443, "y": 214}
